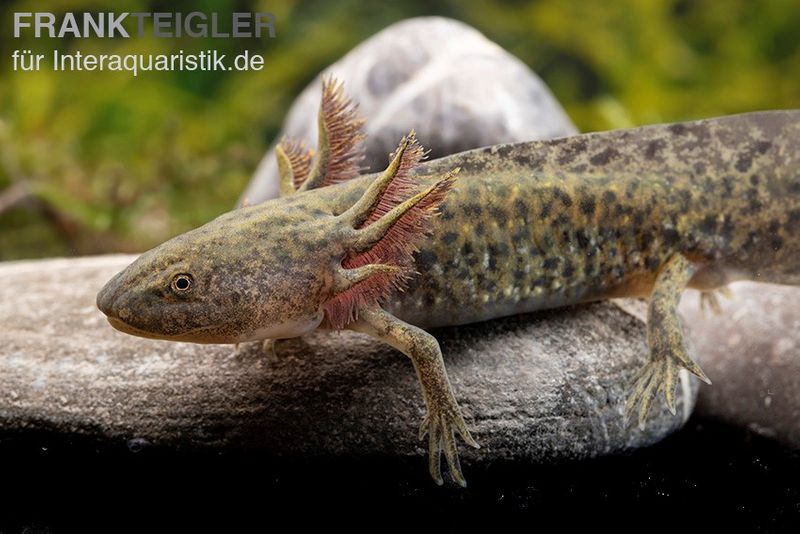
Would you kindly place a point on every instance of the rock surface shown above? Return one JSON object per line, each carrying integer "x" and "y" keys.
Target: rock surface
{"x": 536, "y": 387}
{"x": 444, "y": 79}
{"x": 751, "y": 352}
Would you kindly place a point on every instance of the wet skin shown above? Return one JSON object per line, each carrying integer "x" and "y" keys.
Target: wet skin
{"x": 521, "y": 227}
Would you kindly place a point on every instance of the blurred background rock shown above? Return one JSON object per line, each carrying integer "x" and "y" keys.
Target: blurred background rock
{"x": 95, "y": 162}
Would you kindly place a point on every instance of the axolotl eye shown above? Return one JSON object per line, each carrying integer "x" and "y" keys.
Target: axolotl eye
{"x": 181, "y": 283}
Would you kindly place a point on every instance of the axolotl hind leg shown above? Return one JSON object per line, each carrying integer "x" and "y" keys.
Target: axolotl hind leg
{"x": 666, "y": 341}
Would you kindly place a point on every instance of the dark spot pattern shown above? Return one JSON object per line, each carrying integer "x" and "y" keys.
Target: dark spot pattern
{"x": 583, "y": 239}
{"x": 653, "y": 148}
{"x": 677, "y": 129}
{"x": 550, "y": 264}
{"x": 425, "y": 259}
{"x": 709, "y": 224}
{"x": 652, "y": 263}
{"x": 708, "y": 189}
{"x": 602, "y": 158}
{"x": 499, "y": 215}
{"x": 571, "y": 151}
{"x": 521, "y": 208}
{"x": 563, "y": 196}
{"x": 472, "y": 209}
{"x": 587, "y": 206}
{"x": 449, "y": 238}
{"x": 743, "y": 163}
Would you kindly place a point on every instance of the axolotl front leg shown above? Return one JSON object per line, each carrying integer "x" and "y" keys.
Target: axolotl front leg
{"x": 444, "y": 416}
{"x": 388, "y": 219}
{"x": 381, "y": 259}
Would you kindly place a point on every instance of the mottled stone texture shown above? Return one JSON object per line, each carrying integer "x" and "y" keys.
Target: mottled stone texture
{"x": 751, "y": 352}
{"x": 539, "y": 387}
{"x": 444, "y": 79}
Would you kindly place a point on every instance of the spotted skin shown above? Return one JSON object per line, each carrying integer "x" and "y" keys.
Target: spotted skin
{"x": 529, "y": 226}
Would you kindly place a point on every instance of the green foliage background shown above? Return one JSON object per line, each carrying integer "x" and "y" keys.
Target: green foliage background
{"x": 109, "y": 162}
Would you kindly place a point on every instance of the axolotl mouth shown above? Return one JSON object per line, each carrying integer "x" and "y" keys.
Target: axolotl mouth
{"x": 222, "y": 333}
{"x": 205, "y": 334}
{"x": 122, "y": 326}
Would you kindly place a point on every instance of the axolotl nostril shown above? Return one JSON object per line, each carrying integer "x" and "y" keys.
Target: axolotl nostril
{"x": 482, "y": 234}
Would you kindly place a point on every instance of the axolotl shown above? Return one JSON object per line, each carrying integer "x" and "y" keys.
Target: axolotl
{"x": 507, "y": 229}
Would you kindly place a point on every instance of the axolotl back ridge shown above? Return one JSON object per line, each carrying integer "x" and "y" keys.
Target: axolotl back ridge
{"x": 482, "y": 234}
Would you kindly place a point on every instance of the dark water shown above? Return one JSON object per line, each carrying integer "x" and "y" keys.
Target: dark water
{"x": 707, "y": 475}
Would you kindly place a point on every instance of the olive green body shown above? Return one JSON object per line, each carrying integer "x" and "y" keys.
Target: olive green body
{"x": 526, "y": 226}
{"x": 551, "y": 223}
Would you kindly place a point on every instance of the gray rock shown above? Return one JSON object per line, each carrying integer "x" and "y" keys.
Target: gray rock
{"x": 444, "y": 79}
{"x": 751, "y": 352}
{"x": 537, "y": 387}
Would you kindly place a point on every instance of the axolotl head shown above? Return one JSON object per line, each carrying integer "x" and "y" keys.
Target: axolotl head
{"x": 253, "y": 273}
{"x": 279, "y": 269}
